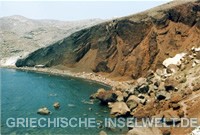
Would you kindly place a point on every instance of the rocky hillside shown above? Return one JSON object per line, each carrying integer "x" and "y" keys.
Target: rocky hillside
{"x": 171, "y": 92}
{"x": 21, "y": 35}
{"x": 127, "y": 47}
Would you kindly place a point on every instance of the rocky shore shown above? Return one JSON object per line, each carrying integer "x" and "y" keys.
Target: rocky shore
{"x": 83, "y": 75}
{"x": 166, "y": 93}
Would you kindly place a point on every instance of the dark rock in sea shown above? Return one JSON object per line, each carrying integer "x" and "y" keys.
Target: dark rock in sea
{"x": 107, "y": 96}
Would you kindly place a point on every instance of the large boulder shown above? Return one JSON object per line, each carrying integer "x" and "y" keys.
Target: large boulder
{"x": 176, "y": 97}
{"x": 139, "y": 113}
{"x": 161, "y": 86}
{"x": 160, "y": 72}
{"x": 175, "y": 106}
{"x": 93, "y": 96}
{"x": 156, "y": 80}
{"x": 144, "y": 131}
{"x": 43, "y": 111}
{"x": 172, "y": 68}
{"x": 141, "y": 81}
{"x": 162, "y": 95}
{"x": 132, "y": 102}
{"x": 120, "y": 96}
{"x": 107, "y": 96}
{"x": 170, "y": 84}
{"x": 142, "y": 86}
{"x": 119, "y": 109}
{"x": 142, "y": 89}
{"x": 102, "y": 133}
{"x": 143, "y": 98}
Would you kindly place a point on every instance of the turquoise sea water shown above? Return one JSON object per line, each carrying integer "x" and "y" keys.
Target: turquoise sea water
{"x": 23, "y": 93}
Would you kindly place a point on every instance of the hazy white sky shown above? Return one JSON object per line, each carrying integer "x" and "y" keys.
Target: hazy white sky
{"x": 75, "y": 10}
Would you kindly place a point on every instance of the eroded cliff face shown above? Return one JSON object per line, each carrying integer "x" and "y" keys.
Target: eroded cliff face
{"x": 125, "y": 48}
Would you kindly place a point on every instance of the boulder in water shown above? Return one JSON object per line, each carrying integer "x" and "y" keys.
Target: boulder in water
{"x": 43, "y": 111}
{"x": 107, "y": 96}
{"x": 56, "y": 105}
{"x": 102, "y": 133}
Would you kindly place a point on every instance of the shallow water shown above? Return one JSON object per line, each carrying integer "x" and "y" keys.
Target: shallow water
{"x": 23, "y": 93}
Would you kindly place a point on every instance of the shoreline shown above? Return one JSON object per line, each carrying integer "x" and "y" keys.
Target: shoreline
{"x": 80, "y": 75}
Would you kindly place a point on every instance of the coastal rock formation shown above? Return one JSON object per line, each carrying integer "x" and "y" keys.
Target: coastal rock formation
{"x": 170, "y": 96}
{"x": 127, "y": 47}
{"x": 106, "y": 96}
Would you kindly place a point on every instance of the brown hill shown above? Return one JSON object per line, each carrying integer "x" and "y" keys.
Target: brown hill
{"x": 127, "y": 47}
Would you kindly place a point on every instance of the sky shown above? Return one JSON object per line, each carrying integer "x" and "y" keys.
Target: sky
{"x": 75, "y": 10}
